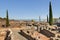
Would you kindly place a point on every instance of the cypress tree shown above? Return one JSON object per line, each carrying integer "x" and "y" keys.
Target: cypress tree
{"x": 50, "y": 14}
{"x": 7, "y": 19}
{"x": 39, "y": 19}
{"x": 47, "y": 18}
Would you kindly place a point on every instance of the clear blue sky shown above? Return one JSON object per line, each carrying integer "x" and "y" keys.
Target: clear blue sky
{"x": 29, "y": 9}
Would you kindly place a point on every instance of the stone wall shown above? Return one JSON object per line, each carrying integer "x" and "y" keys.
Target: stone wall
{"x": 26, "y": 36}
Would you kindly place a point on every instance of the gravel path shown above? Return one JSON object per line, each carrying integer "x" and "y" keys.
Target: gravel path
{"x": 16, "y": 36}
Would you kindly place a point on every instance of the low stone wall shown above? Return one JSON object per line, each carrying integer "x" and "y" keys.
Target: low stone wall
{"x": 7, "y": 36}
{"x": 47, "y": 33}
{"x": 26, "y": 36}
